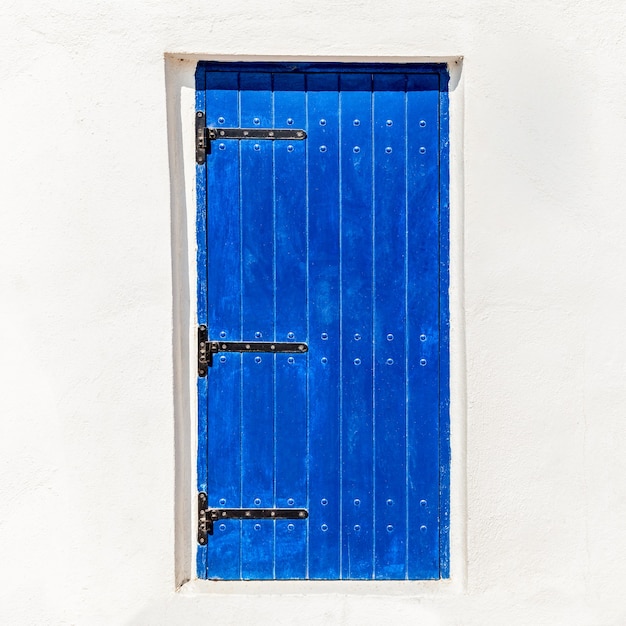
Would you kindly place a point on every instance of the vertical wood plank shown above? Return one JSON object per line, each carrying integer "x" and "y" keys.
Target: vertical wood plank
{"x": 357, "y": 339}
{"x": 423, "y": 335}
{"x": 224, "y": 302}
{"x": 291, "y": 325}
{"x": 324, "y": 380}
{"x": 444, "y": 326}
{"x": 258, "y": 286}
{"x": 201, "y": 298}
{"x": 390, "y": 325}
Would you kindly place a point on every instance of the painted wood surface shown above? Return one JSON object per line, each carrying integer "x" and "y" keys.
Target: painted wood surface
{"x": 340, "y": 241}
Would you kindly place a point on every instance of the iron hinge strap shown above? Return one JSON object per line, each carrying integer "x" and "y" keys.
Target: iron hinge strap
{"x": 207, "y": 348}
{"x": 295, "y": 134}
{"x": 204, "y": 135}
{"x": 207, "y": 517}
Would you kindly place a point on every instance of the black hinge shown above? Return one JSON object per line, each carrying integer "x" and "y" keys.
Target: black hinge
{"x": 207, "y": 517}
{"x": 207, "y": 348}
{"x": 205, "y": 135}
{"x": 201, "y": 138}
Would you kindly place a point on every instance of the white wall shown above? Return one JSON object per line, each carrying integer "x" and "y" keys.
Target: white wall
{"x": 96, "y": 229}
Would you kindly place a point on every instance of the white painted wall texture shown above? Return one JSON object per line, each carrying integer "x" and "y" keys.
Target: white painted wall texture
{"x": 96, "y": 230}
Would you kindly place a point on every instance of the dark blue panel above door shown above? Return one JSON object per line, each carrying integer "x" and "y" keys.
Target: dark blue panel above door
{"x": 337, "y": 241}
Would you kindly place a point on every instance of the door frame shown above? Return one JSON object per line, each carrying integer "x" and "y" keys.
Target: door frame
{"x": 444, "y": 253}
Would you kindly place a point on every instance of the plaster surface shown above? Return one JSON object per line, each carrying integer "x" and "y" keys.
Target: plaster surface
{"x": 96, "y": 302}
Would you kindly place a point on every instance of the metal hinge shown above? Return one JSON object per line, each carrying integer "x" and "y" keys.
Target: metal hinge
{"x": 207, "y": 348}
{"x": 204, "y": 135}
{"x": 207, "y": 517}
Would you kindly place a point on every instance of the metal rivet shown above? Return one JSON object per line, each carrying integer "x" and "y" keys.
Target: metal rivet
{"x": 257, "y": 501}
{"x": 302, "y": 514}
{"x": 248, "y": 346}
{"x": 324, "y": 360}
{"x": 357, "y": 122}
{"x": 322, "y": 122}
{"x": 257, "y": 527}
{"x": 272, "y": 347}
{"x": 257, "y": 147}
{"x": 222, "y": 501}
{"x": 389, "y": 337}
{"x": 222, "y": 146}
{"x": 422, "y": 150}
{"x": 222, "y": 359}
{"x": 224, "y": 346}
{"x": 324, "y": 336}
{"x": 289, "y": 148}
{"x": 257, "y": 359}
{"x": 248, "y": 514}
{"x": 290, "y": 527}
{"x": 245, "y": 133}
{"x": 256, "y": 120}
{"x": 289, "y": 121}
{"x": 357, "y": 502}
{"x": 258, "y": 334}
{"x": 356, "y": 149}
{"x": 423, "y": 502}
{"x": 273, "y": 513}
{"x": 220, "y": 120}
{"x": 323, "y": 148}
{"x": 299, "y": 133}
{"x": 222, "y": 527}
{"x": 223, "y": 334}
{"x": 324, "y": 501}
{"x": 388, "y": 150}
{"x": 422, "y": 123}
{"x": 422, "y": 362}
{"x": 389, "y": 123}
{"x": 423, "y": 529}
{"x": 357, "y": 337}
{"x": 357, "y": 528}
{"x": 290, "y": 501}
{"x": 199, "y": 114}
{"x": 422, "y": 337}
{"x": 290, "y": 335}
{"x": 302, "y": 348}
{"x": 291, "y": 360}
{"x": 389, "y": 528}
{"x": 357, "y": 361}
{"x": 324, "y": 528}
{"x": 390, "y": 502}
{"x": 389, "y": 361}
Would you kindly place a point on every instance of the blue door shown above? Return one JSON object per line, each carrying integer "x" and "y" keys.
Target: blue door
{"x": 322, "y": 227}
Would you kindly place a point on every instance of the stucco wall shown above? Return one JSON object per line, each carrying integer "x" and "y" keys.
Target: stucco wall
{"x": 96, "y": 228}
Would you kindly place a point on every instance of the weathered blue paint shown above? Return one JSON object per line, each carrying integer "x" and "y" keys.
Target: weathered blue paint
{"x": 202, "y": 304}
{"x": 444, "y": 323}
{"x": 341, "y": 241}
